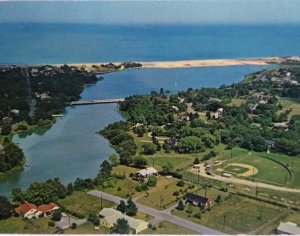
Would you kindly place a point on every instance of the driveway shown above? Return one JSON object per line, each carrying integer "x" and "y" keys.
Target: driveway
{"x": 159, "y": 215}
{"x": 67, "y": 221}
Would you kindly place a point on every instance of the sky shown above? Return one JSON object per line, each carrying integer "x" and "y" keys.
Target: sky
{"x": 152, "y": 12}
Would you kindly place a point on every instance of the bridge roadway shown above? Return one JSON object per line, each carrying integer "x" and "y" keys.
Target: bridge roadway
{"x": 91, "y": 102}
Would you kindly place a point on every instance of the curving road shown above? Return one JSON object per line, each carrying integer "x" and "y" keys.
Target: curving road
{"x": 160, "y": 215}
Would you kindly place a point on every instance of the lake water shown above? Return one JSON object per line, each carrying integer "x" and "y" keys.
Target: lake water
{"x": 71, "y": 148}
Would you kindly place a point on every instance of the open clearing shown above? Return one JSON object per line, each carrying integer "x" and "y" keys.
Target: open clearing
{"x": 236, "y": 215}
{"x": 288, "y": 103}
{"x": 84, "y": 204}
{"x": 269, "y": 168}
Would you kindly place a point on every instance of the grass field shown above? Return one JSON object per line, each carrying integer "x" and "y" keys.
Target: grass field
{"x": 161, "y": 196}
{"x": 87, "y": 228}
{"x": 236, "y": 102}
{"x": 269, "y": 170}
{"x": 165, "y": 227}
{"x": 83, "y": 203}
{"x": 17, "y": 225}
{"x": 288, "y": 103}
{"x": 235, "y": 215}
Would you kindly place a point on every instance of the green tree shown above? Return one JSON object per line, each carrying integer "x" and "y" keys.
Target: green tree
{"x": 152, "y": 181}
{"x": 41, "y": 193}
{"x": 122, "y": 207}
{"x": 17, "y": 195}
{"x": 139, "y": 162}
{"x": 149, "y": 148}
{"x": 190, "y": 144}
{"x": 56, "y": 215}
{"x": 167, "y": 168}
{"x": 131, "y": 208}
{"x": 70, "y": 188}
{"x": 5, "y": 208}
{"x": 180, "y": 206}
{"x": 121, "y": 227}
{"x": 196, "y": 161}
{"x": 114, "y": 159}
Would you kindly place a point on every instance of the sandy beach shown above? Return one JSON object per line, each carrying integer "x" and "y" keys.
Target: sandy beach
{"x": 195, "y": 63}
{"x": 212, "y": 62}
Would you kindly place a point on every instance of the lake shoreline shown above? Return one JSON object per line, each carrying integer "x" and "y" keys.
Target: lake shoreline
{"x": 179, "y": 63}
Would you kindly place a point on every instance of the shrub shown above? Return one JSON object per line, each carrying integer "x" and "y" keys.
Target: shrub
{"x": 180, "y": 183}
{"x": 51, "y": 223}
{"x": 218, "y": 199}
{"x": 198, "y": 215}
{"x": 180, "y": 206}
{"x": 196, "y": 161}
{"x": 176, "y": 193}
{"x": 119, "y": 189}
{"x": 73, "y": 226}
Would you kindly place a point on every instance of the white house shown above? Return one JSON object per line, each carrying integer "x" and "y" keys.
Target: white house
{"x": 288, "y": 228}
{"x": 109, "y": 217}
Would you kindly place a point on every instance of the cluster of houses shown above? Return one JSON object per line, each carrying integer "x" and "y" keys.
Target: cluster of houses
{"x": 280, "y": 77}
{"x": 5, "y": 68}
{"x": 30, "y": 211}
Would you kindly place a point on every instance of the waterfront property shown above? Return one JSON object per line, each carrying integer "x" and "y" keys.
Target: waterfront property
{"x": 198, "y": 200}
{"x": 109, "y": 217}
{"x": 29, "y": 210}
{"x": 144, "y": 173}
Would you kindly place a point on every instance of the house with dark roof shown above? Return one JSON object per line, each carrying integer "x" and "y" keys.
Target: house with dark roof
{"x": 198, "y": 200}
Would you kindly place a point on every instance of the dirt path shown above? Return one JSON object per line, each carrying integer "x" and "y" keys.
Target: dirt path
{"x": 241, "y": 181}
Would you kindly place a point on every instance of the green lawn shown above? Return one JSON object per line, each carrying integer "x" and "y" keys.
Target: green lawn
{"x": 161, "y": 196}
{"x": 18, "y": 225}
{"x": 288, "y": 103}
{"x": 123, "y": 188}
{"x": 236, "y": 102}
{"x": 165, "y": 227}
{"x": 87, "y": 228}
{"x": 83, "y": 203}
{"x": 269, "y": 171}
{"x": 241, "y": 215}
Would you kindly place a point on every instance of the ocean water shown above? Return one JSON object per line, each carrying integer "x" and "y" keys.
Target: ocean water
{"x": 71, "y": 148}
{"x": 71, "y": 43}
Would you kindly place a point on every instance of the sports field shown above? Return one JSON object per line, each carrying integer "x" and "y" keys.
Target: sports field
{"x": 276, "y": 169}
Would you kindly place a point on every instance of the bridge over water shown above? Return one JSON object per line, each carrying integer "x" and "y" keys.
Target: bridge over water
{"x": 91, "y": 102}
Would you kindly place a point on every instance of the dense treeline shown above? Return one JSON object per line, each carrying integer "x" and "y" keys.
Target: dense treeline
{"x": 249, "y": 125}
{"x": 52, "y": 189}
{"x": 63, "y": 86}
{"x": 124, "y": 144}
{"x": 11, "y": 157}
{"x": 13, "y": 93}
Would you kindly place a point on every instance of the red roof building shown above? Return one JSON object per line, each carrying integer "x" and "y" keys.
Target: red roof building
{"x": 24, "y": 208}
{"x": 45, "y": 208}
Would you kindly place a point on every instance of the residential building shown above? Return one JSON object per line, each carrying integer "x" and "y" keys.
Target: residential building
{"x": 144, "y": 173}
{"x": 198, "y": 200}
{"x": 289, "y": 228}
{"x": 109, "y": 217}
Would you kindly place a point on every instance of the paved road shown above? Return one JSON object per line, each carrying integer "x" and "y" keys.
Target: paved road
{"x": 159, "y": 215}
